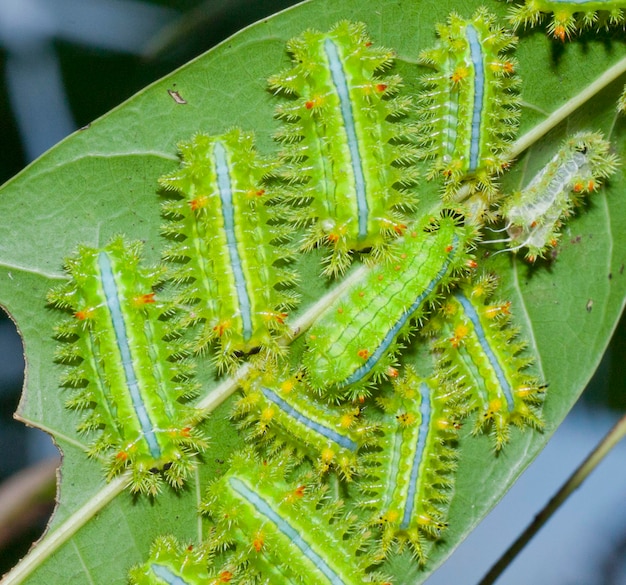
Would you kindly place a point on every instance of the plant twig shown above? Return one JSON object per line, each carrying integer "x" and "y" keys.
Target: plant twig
{"x": 613, "y": 437}
{"x": 218, "y": 394}
{"x": 569, "y": 107}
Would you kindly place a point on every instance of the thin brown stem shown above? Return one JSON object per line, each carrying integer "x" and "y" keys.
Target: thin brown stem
{"x": 575, "y": 480}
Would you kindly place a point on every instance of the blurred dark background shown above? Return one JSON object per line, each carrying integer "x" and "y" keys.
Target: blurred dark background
{"x": 64, "y": 63}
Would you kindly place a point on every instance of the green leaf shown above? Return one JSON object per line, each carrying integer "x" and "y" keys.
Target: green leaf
{"x": 102, "y": 181}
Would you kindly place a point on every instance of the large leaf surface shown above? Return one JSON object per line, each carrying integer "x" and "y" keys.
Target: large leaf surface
{"x": 103, "y": 181}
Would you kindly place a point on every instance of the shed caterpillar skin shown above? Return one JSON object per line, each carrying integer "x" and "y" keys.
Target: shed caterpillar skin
{"x": 414, "y": 471}
{"x": 171, "y": 563}
{"x": 484, "y": 358}
{"x": 534, "y": 216}
{"x": 355, "y": 341}
{"x": 127, "y": 367}
{"x": 469, "y": 107}
{"x": 287, "y": 532}
{"x": 568, "y": 18}
{"x": 345, "y": 157}
{"x": 282, "y": 415}
{"x": 226, "y": 253}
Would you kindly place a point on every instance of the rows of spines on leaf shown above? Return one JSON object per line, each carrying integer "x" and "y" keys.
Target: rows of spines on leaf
{"x": 395, "y": 451}
{"x": 207, "y": 162}
{"x": 228, "y": 264}
{"x": 279, "y": 411}
{"x": 263, "y": 406}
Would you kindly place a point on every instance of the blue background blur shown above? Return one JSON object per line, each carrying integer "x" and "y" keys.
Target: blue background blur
{"x": 63, "y": 63}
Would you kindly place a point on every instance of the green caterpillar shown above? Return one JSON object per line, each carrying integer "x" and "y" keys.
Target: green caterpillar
{"x": 355, "y": 341}
{"x": 287, "y": 532}
{"x": 413, "y": 472}
{"x": 484, "y": 358}
{"x": 126, "y": 364}
{"x": 227, "y": 254}
{"x": 345, "y": 156}
{"x": 281, "y": 414}
{"x": 470, "y": 108}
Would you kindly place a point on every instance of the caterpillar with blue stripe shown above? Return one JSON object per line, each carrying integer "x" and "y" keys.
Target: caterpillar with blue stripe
{"x": 354, "y": 343}
{"x": 569, "y": 17}
{"x": 172, "y": 563}
{"x": 287, "y": 530}
{"x": 279, "y": 413}
{"x": 469, "y": 108}
{"x": 125, "y": 361}
{"x": 344, "y": 148}
{"x": 227, "y": 253}
{"x": 484, "y": 358}
{"x": 412, "y": 473}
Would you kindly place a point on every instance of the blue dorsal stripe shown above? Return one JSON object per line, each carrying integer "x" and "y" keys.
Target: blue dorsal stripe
{"x": 476, "y": 52}
{"x": 228, "y": 214}
{"x": 422, "y": 438}
{"x": 470, "y": 311}
{"x": 385, "y": 344}
{"x": 394, "y": 459}
{"x": 164, "y": 573}
{"x": 341, "y": 85}
{"x": 265, "y": 509}
{"x": 331, "y": 434}
{"x": 109, "y": 286}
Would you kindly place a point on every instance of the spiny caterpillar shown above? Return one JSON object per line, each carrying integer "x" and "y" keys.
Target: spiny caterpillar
{"x": 226, "y": 253}
{"x": 282, "y": 415}
{"x": 569, "y": 17}
{"x": 126, "y": 363}
{"x": 343, "y": 148}
{"x": 534, "y": 216}
{"x": 469, "y": 109}
{"x": 414, "y": 470}
{"x": 483, "y": 357}
{"x": 171, "y": 563}
{"x": 286, "y": 532}
{"x": 355, "y": 341}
